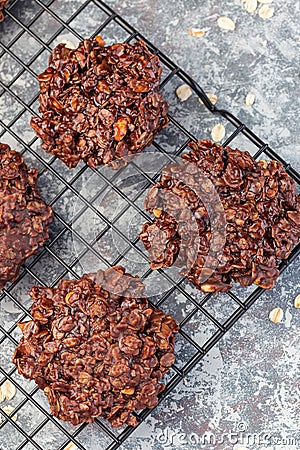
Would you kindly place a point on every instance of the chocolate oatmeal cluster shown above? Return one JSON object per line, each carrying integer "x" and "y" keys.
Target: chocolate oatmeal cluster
{"x": 24, "y": 217}
{"x": 96, "y": 347}
{"x": 99, "y": 103}
{"x": 261, "y": 208}
{"x": 2, "y": 4}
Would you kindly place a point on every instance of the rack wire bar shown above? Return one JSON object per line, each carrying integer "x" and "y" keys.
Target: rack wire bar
{"x": 198, "y": 306}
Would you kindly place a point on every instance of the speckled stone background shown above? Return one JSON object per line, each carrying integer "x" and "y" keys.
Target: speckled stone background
{"x": 249, "y": 385}
{"x": 245, "y": 393}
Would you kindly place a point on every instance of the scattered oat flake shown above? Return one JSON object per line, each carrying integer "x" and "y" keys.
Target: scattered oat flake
{"x": 266, "y": 1}
{"x": 68, "y": 44}
{"x": 225, "y": 23}
{"x": 196, "y": 32}
{"x": 212, "y": 97}
{"x": 8, "y": 410}
{"x": 266, "y": 12}
{"x": 251, "y": 6}
{"x": 276, "y": 315}
{"x": 218, "y": 132}
{"x": 250, "y": 99}
{"x": 8, "y": 391}
{"x": 70, "y": 446}
{"x": 297, "y": 301}
{"x": 183, "y": 92}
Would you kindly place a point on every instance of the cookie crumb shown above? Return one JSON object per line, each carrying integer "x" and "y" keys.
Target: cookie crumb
{"x": 196, "y": 32}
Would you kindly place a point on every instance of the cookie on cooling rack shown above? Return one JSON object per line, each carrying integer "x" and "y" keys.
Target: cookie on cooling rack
{"x": 2, "y": 4}
{"x": 96, "y": 347}
{"x": 99, "y": 103}
{"x": 24, "y": 216}
{"x": 261, "y": 212}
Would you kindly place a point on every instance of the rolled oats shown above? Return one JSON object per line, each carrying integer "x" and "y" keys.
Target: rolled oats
{"x": 218, "y": 132}
{"x": 250, "y": 6}
{"x": 68, "y": 44}
{"x": 265, "y": 12}
{"x": 250, "y": 99}
{"x": 212, "y": 97}
{"x": 71, "y": 446}
{"x": 8, "y": 410}
{"x": 7, "y": 391}
{"x": 184, "y": 92}
{"x": 276, "y": 315}
{"x": 297, "y": 301}
{"x": 225, "y": 23}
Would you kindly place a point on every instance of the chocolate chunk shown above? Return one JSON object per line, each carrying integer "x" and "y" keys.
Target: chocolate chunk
{"x": 96, "y": 349}
{"x": 260, "y": 206}
{"x": 99, "y": 103}
{"x": 24, "y": 217}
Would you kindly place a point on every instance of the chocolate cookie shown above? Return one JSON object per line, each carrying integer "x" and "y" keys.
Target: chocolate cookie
{"x": 99, "y": 103}
{"x": 261, "y": 218}
{"x": 96, "y": 348}
{"x": 24, "y": 216}
{"x": 2, "y": 4}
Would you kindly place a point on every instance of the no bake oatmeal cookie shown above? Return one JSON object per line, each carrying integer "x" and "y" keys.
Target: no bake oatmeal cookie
{"x": 2, "y": 4}
{"x": 24, "y": 216}
{"x": 96, "y": 347}
{"x": 99, "y": 103}
{"x": 261, "y": 214}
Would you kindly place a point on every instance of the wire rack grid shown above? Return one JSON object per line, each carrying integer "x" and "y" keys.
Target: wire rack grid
{"x": 58, "y": 185}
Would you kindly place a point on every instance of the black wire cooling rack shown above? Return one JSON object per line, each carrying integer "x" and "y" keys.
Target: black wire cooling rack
{"x": 16, "y": 106}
